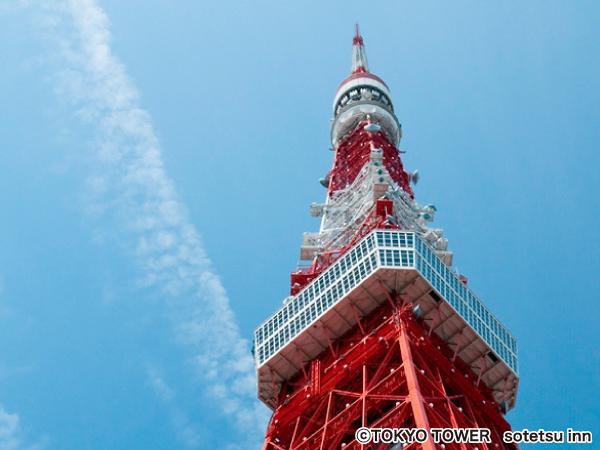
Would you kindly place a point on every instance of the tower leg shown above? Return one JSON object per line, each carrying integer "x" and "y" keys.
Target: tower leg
{"x": 414, "y": 392}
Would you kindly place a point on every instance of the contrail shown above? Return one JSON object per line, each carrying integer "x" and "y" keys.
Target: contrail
{"x": 144, "y": 202}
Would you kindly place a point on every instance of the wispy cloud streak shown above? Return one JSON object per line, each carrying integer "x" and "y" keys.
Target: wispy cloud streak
{"x": 11, "y": 434}
{"x": 185, "y": 431}
{"x": 9, "y": 429}
{"x": 135, "y": 189}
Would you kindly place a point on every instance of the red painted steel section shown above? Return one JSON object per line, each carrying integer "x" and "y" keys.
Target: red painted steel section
{"x": 414, "y": 390}
{"x": 354, "y": 151}
{"x": 361, "y": 74}
{"x": 396, "y": 375}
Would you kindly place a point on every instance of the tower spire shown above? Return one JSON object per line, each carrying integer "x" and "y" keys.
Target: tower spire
{"x": 359, "y": 55}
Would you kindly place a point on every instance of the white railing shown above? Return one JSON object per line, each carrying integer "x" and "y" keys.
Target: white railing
{"x": 382, "y": 249}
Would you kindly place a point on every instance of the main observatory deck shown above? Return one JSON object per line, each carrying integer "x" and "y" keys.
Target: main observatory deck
{"x": 356, "y": 284}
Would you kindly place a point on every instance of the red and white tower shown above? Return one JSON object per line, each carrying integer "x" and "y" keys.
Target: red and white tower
{"x": 379, "y": 330}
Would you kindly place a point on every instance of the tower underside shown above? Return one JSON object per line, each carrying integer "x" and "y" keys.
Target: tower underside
{"x": 389, "y": 371}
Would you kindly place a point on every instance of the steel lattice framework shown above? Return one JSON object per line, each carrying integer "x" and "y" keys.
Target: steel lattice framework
{"x": 388, "y": 372}
{"x": 379, "y": 331}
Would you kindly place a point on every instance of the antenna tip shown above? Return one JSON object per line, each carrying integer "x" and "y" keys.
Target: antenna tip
{"x": 358, "y": 40}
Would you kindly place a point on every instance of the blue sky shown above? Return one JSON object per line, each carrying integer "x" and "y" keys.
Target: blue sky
{"x": 155, "y": 184}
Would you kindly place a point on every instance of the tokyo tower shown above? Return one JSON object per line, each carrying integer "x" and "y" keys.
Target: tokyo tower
{"x": 379, "y": 329}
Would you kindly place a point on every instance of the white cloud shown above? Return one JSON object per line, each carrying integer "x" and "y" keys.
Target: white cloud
{"x": 185, "y": 430}
{"x": 160, "y": 387}
{"x": 9, "y": 429}
{"x": 132, "y": 186}
{"x": 11, "y": 433}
